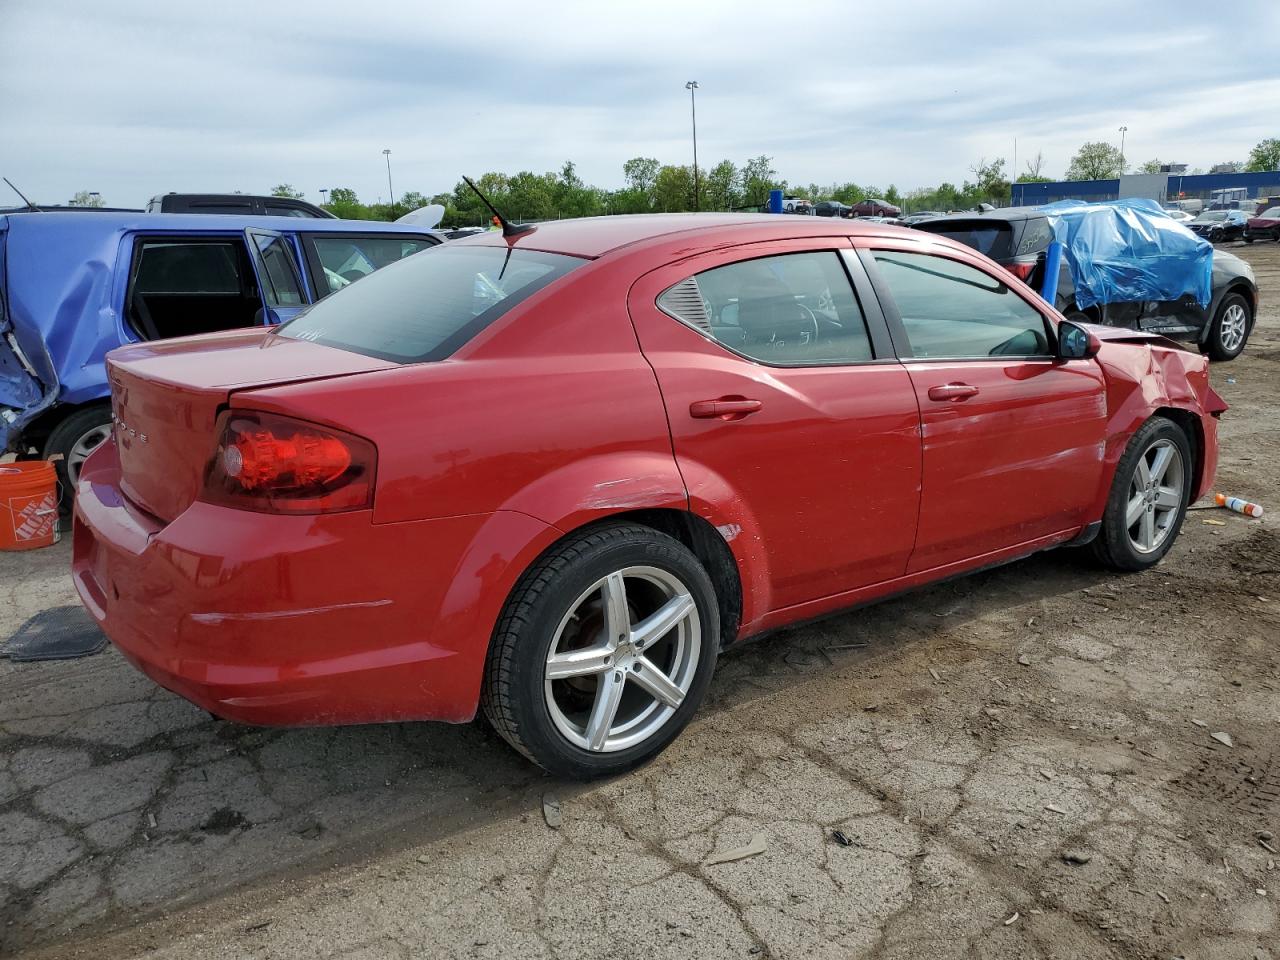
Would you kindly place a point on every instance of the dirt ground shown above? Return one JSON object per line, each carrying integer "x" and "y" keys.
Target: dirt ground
{"x": 1023, "y": 763}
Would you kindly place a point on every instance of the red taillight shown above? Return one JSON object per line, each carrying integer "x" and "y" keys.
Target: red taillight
{"x": 1021, "y": 269}
{"x": 276, "y": 464}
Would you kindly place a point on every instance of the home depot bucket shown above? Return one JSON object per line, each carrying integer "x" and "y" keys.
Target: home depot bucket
{"x": 28, "y": 505}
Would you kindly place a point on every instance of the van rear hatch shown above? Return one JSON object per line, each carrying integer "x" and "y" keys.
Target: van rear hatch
{"x": 166, "y": 398}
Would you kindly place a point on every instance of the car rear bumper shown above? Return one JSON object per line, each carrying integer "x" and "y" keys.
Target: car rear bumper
{"x": 298, "y": 620}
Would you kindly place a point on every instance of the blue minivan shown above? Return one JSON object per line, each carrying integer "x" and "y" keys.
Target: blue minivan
{"x": 76, "y": 285}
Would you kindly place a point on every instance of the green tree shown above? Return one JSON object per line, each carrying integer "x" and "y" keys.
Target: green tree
{"x": 990, "y": 183}
{"x": 673, "y": 189}
{"x": 413, "y": 200}
{"x": 1151, "y": 166}
{"x": 87, "y": 198}
{"x": 641, "y": 173}
{"x": 720, "y": 187}
{"x": 1097, "y": 160}
{"x": 344, "y": 203}
{"x": 1265, "y": 156}
{"x": 757, "y": 178}
{"x": 286, "y": 190}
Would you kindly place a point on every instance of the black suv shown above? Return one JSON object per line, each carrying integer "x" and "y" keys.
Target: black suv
{"x": 240, "y": 204}
{"x": 1017, "y": 238}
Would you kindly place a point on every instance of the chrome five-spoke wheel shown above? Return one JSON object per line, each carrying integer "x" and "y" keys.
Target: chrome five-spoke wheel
{"x": 604, "y": 650}
{"x": 1155, "y": 496}
{"x": 623, "y": 659}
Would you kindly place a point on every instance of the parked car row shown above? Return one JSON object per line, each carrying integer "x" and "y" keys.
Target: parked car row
{"x": 871, "y": 207}
{"x": 74, "y": 286}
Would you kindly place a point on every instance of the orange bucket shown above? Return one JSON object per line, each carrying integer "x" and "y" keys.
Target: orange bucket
{"x": 28, "y": 505}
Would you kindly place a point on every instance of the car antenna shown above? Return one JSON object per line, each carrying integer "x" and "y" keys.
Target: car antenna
{"x": 509, "y": 229}
{"x": 21, "y": 194}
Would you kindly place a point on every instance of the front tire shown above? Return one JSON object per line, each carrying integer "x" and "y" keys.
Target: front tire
{"x": 1148, "y": 499}
{"x": 603, "y": 652}
{"x": 1230, "y": 329}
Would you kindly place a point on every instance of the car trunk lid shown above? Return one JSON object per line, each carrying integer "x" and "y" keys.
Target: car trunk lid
{"x": 166, "y": 398}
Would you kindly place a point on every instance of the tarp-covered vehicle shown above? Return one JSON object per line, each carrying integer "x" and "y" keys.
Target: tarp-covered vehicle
{"x": 1125, "y": 263}
{"x": 76, "y": 285}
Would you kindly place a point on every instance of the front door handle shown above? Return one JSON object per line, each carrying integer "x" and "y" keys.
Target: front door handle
{"x": 953, "y": 391}
{"x": 724, "y": 408}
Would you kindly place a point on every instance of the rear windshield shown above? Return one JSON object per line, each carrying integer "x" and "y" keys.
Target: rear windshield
{"x": 1271, "y": 213}
{"x": 995, "y": 239}
{"x": 427, "y": 306}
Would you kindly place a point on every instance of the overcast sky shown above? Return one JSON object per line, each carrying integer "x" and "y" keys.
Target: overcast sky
{"x": 136, "y": 97}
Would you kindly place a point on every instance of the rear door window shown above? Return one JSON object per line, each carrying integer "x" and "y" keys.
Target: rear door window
{"x": 337, "y": 262}
{"x": 426, "y": 307}
{"x": 797, "y": 309}
{"x": 993, "y": 238}
{"x": 184, "y": 285}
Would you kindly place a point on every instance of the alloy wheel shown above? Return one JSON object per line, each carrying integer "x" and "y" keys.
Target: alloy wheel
{"x": 1155, "y": 496}
{"x": 623, "y": 659}
{"x": 1232, "y": 329}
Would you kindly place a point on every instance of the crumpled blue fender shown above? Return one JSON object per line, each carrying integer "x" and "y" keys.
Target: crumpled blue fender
{"x": 1130, "y": 250}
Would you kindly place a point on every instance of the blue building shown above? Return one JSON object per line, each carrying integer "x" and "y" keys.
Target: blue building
{"x": 1175, "y": 186}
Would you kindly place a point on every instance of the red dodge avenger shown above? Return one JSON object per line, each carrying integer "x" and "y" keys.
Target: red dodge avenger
{"x": 553, "y": 475}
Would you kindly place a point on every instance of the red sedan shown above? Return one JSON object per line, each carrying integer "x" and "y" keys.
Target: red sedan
{"x": 1265, "y": 226}
{"x": 553, "y": 476}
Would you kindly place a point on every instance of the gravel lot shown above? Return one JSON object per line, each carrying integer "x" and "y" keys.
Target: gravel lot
{"x": 1022, "y": 761}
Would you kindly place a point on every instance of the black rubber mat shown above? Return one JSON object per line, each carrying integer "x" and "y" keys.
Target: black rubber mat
{"x": 60, "y": 633}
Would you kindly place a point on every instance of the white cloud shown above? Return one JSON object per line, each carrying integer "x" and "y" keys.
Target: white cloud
{"x": 134, "y": 98}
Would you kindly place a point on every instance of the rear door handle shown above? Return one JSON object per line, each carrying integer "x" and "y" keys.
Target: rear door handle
{"x": 725, "y": 408}
{"x": 953, "y": 391}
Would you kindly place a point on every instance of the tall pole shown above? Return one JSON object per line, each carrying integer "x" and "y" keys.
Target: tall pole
{"x": 691, "y": 86}
{"x": 324, "y": 196}
{"x": 1123, "y": 131}
{"x": 390, "y": 193}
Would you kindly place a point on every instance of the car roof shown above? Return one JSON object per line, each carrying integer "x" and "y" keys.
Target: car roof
{"x": 100, "y": 221}
{"x": 597, "y": 236}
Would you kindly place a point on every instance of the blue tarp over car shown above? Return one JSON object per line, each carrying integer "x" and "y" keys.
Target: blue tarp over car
{"x": 1130, "y": 250}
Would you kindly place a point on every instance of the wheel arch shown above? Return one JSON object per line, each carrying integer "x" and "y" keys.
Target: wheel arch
{"x": 36, "y": 433}
{"x": 694, "y": 532}
{"x": 1192, "y": 427}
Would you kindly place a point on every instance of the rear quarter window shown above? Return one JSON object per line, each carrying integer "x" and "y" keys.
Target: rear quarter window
{"x": 992, "y": 238}
{"x": 426, "y": 306}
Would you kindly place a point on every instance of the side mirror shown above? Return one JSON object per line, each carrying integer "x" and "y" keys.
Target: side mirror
{"x": 1075, "y": 342}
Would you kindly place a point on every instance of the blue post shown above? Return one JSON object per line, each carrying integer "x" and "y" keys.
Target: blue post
{"x": 775, "y": 201}
{"x": 1052, "y": 267}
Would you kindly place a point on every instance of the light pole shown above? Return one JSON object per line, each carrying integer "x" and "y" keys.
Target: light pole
{"x": 691, "y": 86}
{"x": 324, "y": 196}
{"x": 391, "y": 193}
{"x": 1123, "y": 131}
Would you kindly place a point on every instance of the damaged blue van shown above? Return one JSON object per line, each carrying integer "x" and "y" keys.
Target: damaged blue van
{"x": 74, "y": 285}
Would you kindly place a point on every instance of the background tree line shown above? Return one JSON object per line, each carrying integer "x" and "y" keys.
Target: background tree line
{"x": 650, "y": 186}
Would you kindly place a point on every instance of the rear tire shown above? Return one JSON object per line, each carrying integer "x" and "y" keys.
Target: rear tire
{"x": 1230, "y": 329}
{"x": 1148, "y": 499}
{"x": 566, "y": 681}
{"x": 75, "y": 438}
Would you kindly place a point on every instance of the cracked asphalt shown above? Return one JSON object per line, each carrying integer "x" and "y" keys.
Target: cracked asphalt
{"x": 1021, "y": 763}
